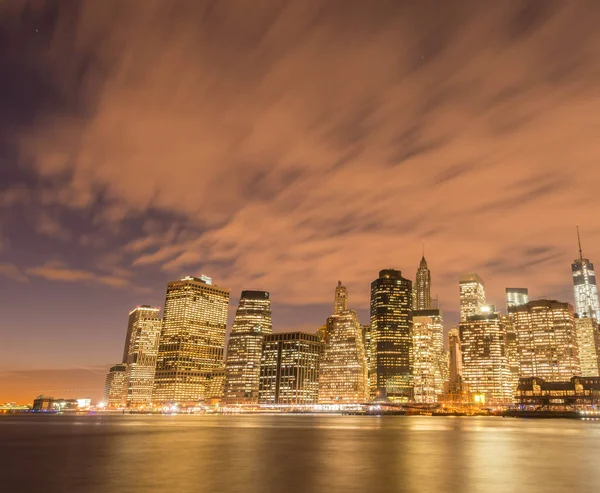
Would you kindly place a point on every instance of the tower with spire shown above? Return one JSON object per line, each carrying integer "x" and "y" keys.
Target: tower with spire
{"x": 584, "y": 285}
{"x": 341, "y": 299}
{"x": 423, "y": 286}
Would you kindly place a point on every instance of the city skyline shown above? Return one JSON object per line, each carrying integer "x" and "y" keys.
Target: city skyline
{"x": 272, "y": 167}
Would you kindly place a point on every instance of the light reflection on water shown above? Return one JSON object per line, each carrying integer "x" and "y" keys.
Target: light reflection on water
{"x": 261, "y": 454}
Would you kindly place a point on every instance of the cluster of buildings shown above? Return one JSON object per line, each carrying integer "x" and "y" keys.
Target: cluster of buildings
{"x": 178, "y": 361}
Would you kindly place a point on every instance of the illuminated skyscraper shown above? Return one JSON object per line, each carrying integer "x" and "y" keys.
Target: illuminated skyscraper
{"x": 114, "y": 387}
{"x": 516, "y": 297}
{"x": 144, "y": 333}
{"x": 472, "y": 296}
{"x": 366, "y": 333}
{"x": 485, "y": 364}
{"x": 584, "y": 286}
{"x": 289, "y": 370}
{"x": 586, "y": 330}
{"x": 391, "y": 336}
{"x": 455, "y": 380}
{"x": 547, "y": 340}
{"x": 423, "y": 287}
{"x": 192, "y": 340}
{"x": 429, "y": 357}
{"x": 512, "y": 351}
{"x": 343, "y": 372}
{"x": 341, "y": 299}
{"x": 242, "y": 369}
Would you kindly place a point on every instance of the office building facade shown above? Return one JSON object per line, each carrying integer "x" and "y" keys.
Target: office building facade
{"x": 472, "y": 296}
{"x": 343, "y": 372}
{"x": 289, "y": 370}
{"x": 391, "y": 336}
{"x": 143, "y": 329}
{"x": 115, "y": 387}
{"x": 429, "y": 356}
{"x": 586, "y": 330}
{"x": 547, "y": 340}
{"x": 484, "y": 360}
{"x": 242, "y": 369}
{"x": 516, "y": 297}
{"x": 192, "y": 340}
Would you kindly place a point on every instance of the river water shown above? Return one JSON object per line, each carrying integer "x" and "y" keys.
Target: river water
{"x": 291, "y": 453}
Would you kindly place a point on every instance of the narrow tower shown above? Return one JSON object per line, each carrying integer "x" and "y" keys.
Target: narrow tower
{"x": 341, "y": 299}
{"x": 423, "y": 287}
{"x": 584, "y": 286}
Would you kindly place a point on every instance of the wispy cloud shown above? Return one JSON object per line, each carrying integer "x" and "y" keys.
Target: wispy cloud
{"x": 306, "y": 141}
{"x": 12, "y": 272}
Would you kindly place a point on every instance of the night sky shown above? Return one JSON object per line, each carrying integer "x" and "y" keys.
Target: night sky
{"x": 281, "y": 145}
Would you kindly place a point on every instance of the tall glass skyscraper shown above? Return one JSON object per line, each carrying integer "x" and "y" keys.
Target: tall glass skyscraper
{"x": 472, "y": 296}
{"x": 343, "y": 373}
{"x": 142, "y": 348}
{"x": 192, "y": 342}
{"x": 586, "y": 330}
{"x": 242, "y": 368}
{"x": 584, "y": 286}
{"x": 423, "y": 287}
{"x": 391, "y": 336}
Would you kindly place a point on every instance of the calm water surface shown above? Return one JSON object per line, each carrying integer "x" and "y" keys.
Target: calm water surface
{"x": 261, "y": 454}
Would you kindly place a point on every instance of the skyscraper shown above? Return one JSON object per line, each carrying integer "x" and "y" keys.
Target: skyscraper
{"x": 584, "y": 286}
{"x": 142, "y": 348}
{"x": 516, "y": 297}
{"x": 423, "y": 287}
{"x": 485, "y": 364}
{"x": 429, "y": 357}
{"x": 391, "y": 336}
{"x": 547, "y": 340}
{"x": 343, "y": 372}
{"x": 192, "y": 340}
{"x": 242, "y": 369}
{"x": 114, "y": 387}
{"x": 289, "y": 370}
{"x": 341, "y": 299}
{"x": 455, "y": 380}
{"x": 586, "y": 329}
{"x": 472, "y": 296}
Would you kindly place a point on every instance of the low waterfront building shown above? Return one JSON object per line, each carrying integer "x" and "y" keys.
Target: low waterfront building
{"x": 577, "y": 392}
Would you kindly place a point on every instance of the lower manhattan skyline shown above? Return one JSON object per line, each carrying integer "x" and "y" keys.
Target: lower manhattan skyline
{"x": 125, "y": 165}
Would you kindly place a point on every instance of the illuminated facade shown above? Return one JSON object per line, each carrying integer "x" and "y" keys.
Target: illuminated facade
{"x": 192, "y": 340}
{"x": 423, "y": 287}
{"x": 429, "y": 356}
{"x": 512, "y": 351}
{"x": 366, "y": 333}
{"x": 547, "y": 340}
{"x": 391, "y": 336}
{"x": 455, "y": 377}
{"x": 242, "y": 369}
{"x": 343, "y": 372}
{"x": 472, "y": 296}
{"x": 143, "y": 330}
{"x": 516, "y": 297}
{"x": 586, "y": 330}
{"x": 485, "y": 362}
{"x": 289, "y": 370}
{"x": 584, "y": 286}
{"x": 114, "y": 387}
